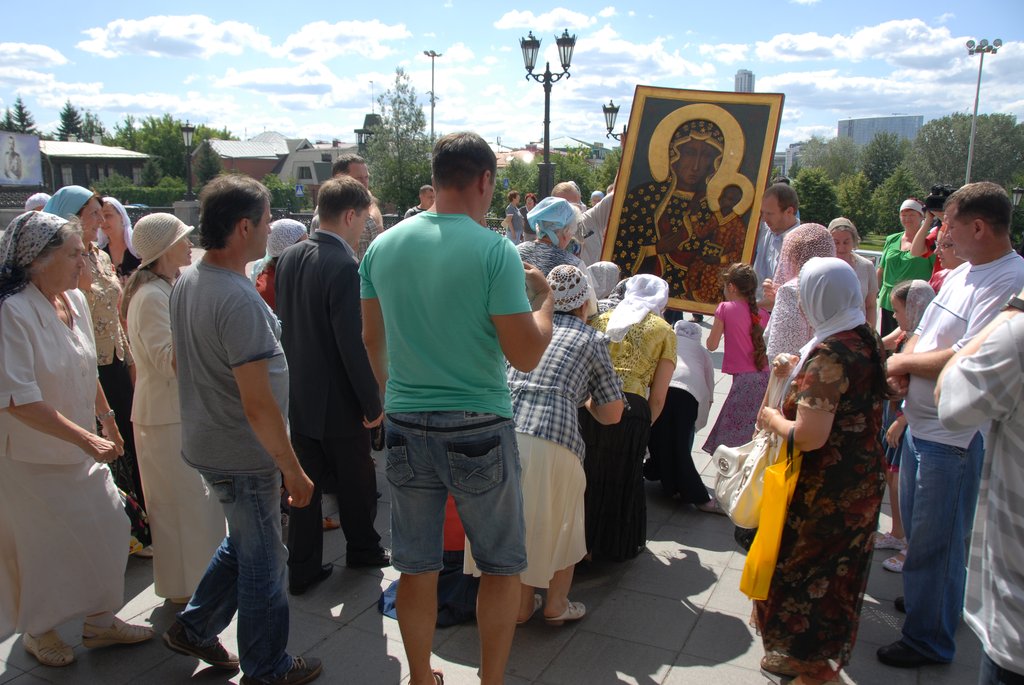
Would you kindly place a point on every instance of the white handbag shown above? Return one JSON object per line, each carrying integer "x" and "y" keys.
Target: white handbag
{"x": 740, "y": 482}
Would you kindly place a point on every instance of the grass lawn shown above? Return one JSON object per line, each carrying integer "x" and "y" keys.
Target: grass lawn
{"x": 872, "y": 241}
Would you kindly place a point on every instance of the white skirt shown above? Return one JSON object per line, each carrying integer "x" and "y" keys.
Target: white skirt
{"x": 186, "y": 520}
{"x": 63, "y": 544}
{"x": 553, "y": 486}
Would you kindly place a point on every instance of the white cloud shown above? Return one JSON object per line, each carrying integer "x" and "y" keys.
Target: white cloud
{"x": 804, "y": 2}
{"x": 558, "y": 18}
{"x": 173, "y": 36}
{"x": 607, "y": 13}
{"x": 30, "y": 55}
{"x": 307, "y": 79}
{"x": 945, "y": 17}
{"x": 726, "y": 53}
{"x": 458, "y": 53}
{"x": 324, "y": 41}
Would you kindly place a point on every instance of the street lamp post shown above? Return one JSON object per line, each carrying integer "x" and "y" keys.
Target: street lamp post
{"x": 530, "y": 47}
{"x": 980, "y": 48}
{"x": 611, "y": 110}
{"x": 432, "y": 55}
{"x": 1016, "y": 195}
{"x": 187, "y": 130}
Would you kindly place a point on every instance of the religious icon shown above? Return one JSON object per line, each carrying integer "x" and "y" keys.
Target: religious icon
{"x": 688, "y": 196}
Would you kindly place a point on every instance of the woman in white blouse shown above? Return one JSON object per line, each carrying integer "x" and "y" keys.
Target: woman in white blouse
{"x": 187, "y": 523}
{"x": 63, "y": 531}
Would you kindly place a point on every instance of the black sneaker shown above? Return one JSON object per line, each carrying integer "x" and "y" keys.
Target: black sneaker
{"x": 177, "y": 640}
{"x": 303, "y": 670}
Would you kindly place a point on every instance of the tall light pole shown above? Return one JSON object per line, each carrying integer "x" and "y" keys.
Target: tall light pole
{"x": 432, "y": 55}
{"x": 530, "y": 47}
{"x": 979, "y": 48}
{"x": 187, "y": 130}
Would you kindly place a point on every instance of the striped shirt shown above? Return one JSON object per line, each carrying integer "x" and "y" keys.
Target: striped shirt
{"x": 575, "y": 366}
{"x": 983, "y": 386}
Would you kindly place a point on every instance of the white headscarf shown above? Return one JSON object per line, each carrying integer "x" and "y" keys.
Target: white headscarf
{"x": 644, "y": 293}
{"x": 830, "y": 299}
{"x": 919, "y": 296}
{"x": 603, "y": 276}
{"x": 126, "y": 226}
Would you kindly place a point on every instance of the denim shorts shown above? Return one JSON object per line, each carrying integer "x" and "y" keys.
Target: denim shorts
{"x": 474, "y": 457}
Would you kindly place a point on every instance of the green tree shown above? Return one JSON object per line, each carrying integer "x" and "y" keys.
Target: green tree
{"x": 605, "y": 174}
{"x": 206, "y": 164}
{"x": 92, "y": 127}
{"x": 854, "y": 197}
{"x": 882, "y": 155}
{"x": 399, "y": 150}
{"x": 126, "y": 134}
{"x": 521, "y": 176}
{"x": 818, "y": 203}
{"x": 151, "y": 173}
{"x": 23, "y": 121}
{"x": 939, "y": 153}
{"x": 887, "y": 198}
{"x": 70, "y": 122}
{"x": 8, "y": 121}
{"x": 282, "y": 194}
{"x": 837, "y": 157}
{"x": 574, "y": 165}
{"x": 161, "y": 138}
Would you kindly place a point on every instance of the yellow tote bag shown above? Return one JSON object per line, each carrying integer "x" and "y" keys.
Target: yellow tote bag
{"x": 779, "y": 483}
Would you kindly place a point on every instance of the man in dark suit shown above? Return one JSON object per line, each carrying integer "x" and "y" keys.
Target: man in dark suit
{"x": 333, "y": 397}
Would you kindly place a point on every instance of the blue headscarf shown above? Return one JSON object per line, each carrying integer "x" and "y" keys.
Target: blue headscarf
{"x": 550, "y": 217}
{"x": 68, "y": 201}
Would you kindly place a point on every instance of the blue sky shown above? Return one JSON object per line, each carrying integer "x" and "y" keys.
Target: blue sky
{"x": 306, "y": 70}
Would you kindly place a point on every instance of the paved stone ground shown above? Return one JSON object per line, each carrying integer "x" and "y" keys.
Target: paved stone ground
{"x": 672, "y": 616}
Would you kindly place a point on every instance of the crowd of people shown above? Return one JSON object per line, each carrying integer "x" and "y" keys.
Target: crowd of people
{"x": 176, "y": 410}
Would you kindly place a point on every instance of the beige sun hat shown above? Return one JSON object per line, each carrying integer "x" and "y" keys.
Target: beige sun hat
{"x": 154, "y": 234}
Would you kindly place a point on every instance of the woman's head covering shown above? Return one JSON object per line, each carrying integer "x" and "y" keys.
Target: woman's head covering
{"x": 68, "y": 201}
{"x": 551, "y": 216}
{"x": 283, "y": 234}
{"x": 569, "y": 287}
{"x": 126, "y": 227}
{"x": 919, "y": 297}
{"x": 36, "y": 201}
{"x": 687, "y": 330}
{"x": 644, "y": 294}
{"x": 156, "y": 233}
{"x": 603, "y": 276}
{"x": 912, "y": 203}
{"x": 830, "y": 299}
{"x": 843, "y": 224}
{"x": 24, "y": 239}
{"x": 801, "y": 244}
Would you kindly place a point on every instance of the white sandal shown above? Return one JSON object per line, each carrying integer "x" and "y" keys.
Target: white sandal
{"x": 119, "y": 633}
{"x": 894, "y": 564}
{"x": 574, "y": 612}
{"x": 49, "y": 649}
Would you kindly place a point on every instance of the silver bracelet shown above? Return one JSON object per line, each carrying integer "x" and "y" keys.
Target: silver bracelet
{"x": 105, "y": 415}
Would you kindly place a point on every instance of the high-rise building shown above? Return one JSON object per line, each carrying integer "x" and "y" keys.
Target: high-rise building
{"x": 744, "y": 81}
{"x": 863, "y": 130}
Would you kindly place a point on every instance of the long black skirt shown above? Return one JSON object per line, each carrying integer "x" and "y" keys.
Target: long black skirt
{"x": 615, "y": 507}
{"x": 671, "y": 445}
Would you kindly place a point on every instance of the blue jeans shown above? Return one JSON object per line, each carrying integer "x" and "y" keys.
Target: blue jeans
{"x": 474, "y": 457}
{"x": 938, "y": 496}
{"x": 247, "y": 575}
{"x": 994, "y": 674}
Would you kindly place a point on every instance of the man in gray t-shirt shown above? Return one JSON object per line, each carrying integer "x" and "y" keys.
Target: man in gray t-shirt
{"x": 233, "y": 388}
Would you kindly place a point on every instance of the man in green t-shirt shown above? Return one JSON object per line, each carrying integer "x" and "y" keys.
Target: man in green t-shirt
{"x": 445, "y": 302}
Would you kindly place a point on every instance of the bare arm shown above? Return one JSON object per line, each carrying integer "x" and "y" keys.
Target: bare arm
{"x": 871, "y": 310}
{"x": 810, "y": 430}
{"x": 375, "y": 341}
{"x": 919, "y": 246}
{"x": 261, "y": 411}
{"x": 41, "y": 416}
{"x": 973, "y": 345}
{"x": 715, "y": 336}
{"x": 108, "y": 423}
{"x": 922, "y": 364}
{"x": 659, "y": 387}
{"x": 605, "y": 414}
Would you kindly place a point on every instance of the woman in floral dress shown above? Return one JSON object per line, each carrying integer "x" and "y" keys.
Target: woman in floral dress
{"x": 809, "y": 621}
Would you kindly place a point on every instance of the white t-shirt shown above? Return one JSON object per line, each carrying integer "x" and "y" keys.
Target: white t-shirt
{"x": 970, "y": 297}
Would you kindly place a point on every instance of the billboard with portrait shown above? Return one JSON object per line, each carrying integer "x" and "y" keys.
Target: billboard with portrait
{"x": 19, "y": 160}
{"x": 687, "y": 203}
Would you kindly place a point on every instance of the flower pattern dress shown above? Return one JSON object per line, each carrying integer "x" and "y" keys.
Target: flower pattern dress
{"x": 813, "y": 606}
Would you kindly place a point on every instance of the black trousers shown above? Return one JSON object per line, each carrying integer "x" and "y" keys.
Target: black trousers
{"x": 117, "y": 386}
{"x": 346, "y": 463}
{"x": 670, "y": 445}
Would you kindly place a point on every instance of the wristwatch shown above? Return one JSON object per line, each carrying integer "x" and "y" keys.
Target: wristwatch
{"x": 1014, "y": 303}
{"x": 105, "y": 415}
